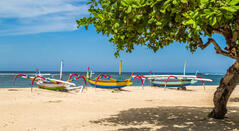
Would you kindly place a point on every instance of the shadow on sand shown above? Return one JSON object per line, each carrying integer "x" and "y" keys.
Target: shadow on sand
{"x": 236, "y": 99}
{"x": 173, "y": 88}
{"x": 171, "y": 118}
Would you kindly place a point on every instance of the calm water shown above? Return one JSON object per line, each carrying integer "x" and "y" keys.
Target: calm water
{"x": 6, "y": 78}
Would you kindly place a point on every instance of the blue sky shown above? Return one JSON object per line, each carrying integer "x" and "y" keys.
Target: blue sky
{"x": 38, "y": 34}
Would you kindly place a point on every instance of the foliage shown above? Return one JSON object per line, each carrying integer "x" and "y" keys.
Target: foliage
{"x": 158, "y": 23}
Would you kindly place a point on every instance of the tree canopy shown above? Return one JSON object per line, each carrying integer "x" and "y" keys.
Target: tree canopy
{"x": 158, "y": 23}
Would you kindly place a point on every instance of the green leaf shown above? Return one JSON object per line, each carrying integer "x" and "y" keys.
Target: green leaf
{"x": 89, "y": 2}
{"x": 122, "y": 37}
{"x": 115, "y": 30}
{"x": 228, "y": 16}
{"x": 123, "y": 3}
{"x": 234, "y": 2}
{"x": 163, "y": 10}
{"x": 128, "y": 1}
{"x": 231, "y": 8}
{"x": 207, "y": 11}
{"x": 129, "y": 9}
{"x": 184, "y": 1}
{"x": 139, "y": 17}
{"x": 175, "y": 2}
{"x": 189, "y": 22}
{"x": 214, "y": 21}
{"x": 151, "y": 20}
{"x": 195, "y": 15}
{"x": 142, "y": 2}
{"x": 116, "y": 25}
{"x": 140, "y": 29}
{"x": 204, "y": 1}
{"x": 158, "y": 23}
{"x": 100, "y": 16}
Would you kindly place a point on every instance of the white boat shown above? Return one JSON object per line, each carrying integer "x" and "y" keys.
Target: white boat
{"x": 175, "y": 80}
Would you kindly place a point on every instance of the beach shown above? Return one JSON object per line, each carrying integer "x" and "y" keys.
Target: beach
{"x": 133, "y": 108}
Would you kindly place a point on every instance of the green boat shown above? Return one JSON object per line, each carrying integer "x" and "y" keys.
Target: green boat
{"x": 52, "y": 86}
{"x": 172, "y": 82}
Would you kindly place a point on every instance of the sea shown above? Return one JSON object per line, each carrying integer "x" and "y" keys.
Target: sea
{"x": 7, "y": 78}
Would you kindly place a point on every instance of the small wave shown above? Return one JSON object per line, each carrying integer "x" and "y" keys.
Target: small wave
{"x": 7, "y": 74}
{"x": 10, "y": 74}
{"x": 219, "y": 74}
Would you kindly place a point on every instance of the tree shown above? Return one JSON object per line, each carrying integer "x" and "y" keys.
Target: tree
{"x": 158, "y": 23}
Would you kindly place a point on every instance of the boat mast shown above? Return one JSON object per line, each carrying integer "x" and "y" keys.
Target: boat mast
{"x": 91, "y": 72}
{"x": 184, "y": 70}
{"x": 61, "y": 70}
{"x": 120, "y": 70}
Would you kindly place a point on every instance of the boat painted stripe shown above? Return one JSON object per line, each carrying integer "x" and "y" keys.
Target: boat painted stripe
{"x": 109, "y": 87}
{"x": 114, "y": 83}
{"x": 171, "y": 85}
{"x": 106, "y": 81}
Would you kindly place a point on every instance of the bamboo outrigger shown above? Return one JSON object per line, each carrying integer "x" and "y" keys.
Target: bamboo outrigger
{"x": 50, "y": 83}
{"x": 108, "y": 82}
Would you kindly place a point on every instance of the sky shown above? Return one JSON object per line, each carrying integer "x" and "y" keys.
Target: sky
{"x": 38, "y": 34}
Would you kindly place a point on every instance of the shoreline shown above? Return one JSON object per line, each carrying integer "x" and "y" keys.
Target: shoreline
{"x": 123, "y": 87}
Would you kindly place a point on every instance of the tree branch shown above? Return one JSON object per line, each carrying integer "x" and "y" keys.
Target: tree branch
{"x": 219, "y": 30}
{"x": 236, "y": 32}
{"x": 216, "y": 47}
{"x": 227, "y": 33}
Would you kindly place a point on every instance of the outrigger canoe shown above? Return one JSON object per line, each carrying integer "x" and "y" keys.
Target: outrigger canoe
{"x": 174, "y": 80}
{"x": 51, "y": 86}
{"x": 110, "y": 83}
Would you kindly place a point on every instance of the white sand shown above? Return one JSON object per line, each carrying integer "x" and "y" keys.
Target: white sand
{"x": 22, "y": 110}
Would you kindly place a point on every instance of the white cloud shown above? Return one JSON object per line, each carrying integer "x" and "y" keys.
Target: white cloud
{"x": 19, "y": 17}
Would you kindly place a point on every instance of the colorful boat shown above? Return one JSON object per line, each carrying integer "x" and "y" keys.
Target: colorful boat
{"x": 50, "y": 83}
{"x": 51, "y": 86}
{"x": 175, "y": 80}
{"x": 110, "y": 83}
{"x": 171, "y": 82}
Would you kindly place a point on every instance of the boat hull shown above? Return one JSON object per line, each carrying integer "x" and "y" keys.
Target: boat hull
{"x": 109, "y": 84}
{"x": 55, "y": 87}
{"x": 171, "y": 83}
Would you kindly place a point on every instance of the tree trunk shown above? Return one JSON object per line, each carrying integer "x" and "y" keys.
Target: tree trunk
{"x": 223, "y": 92}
